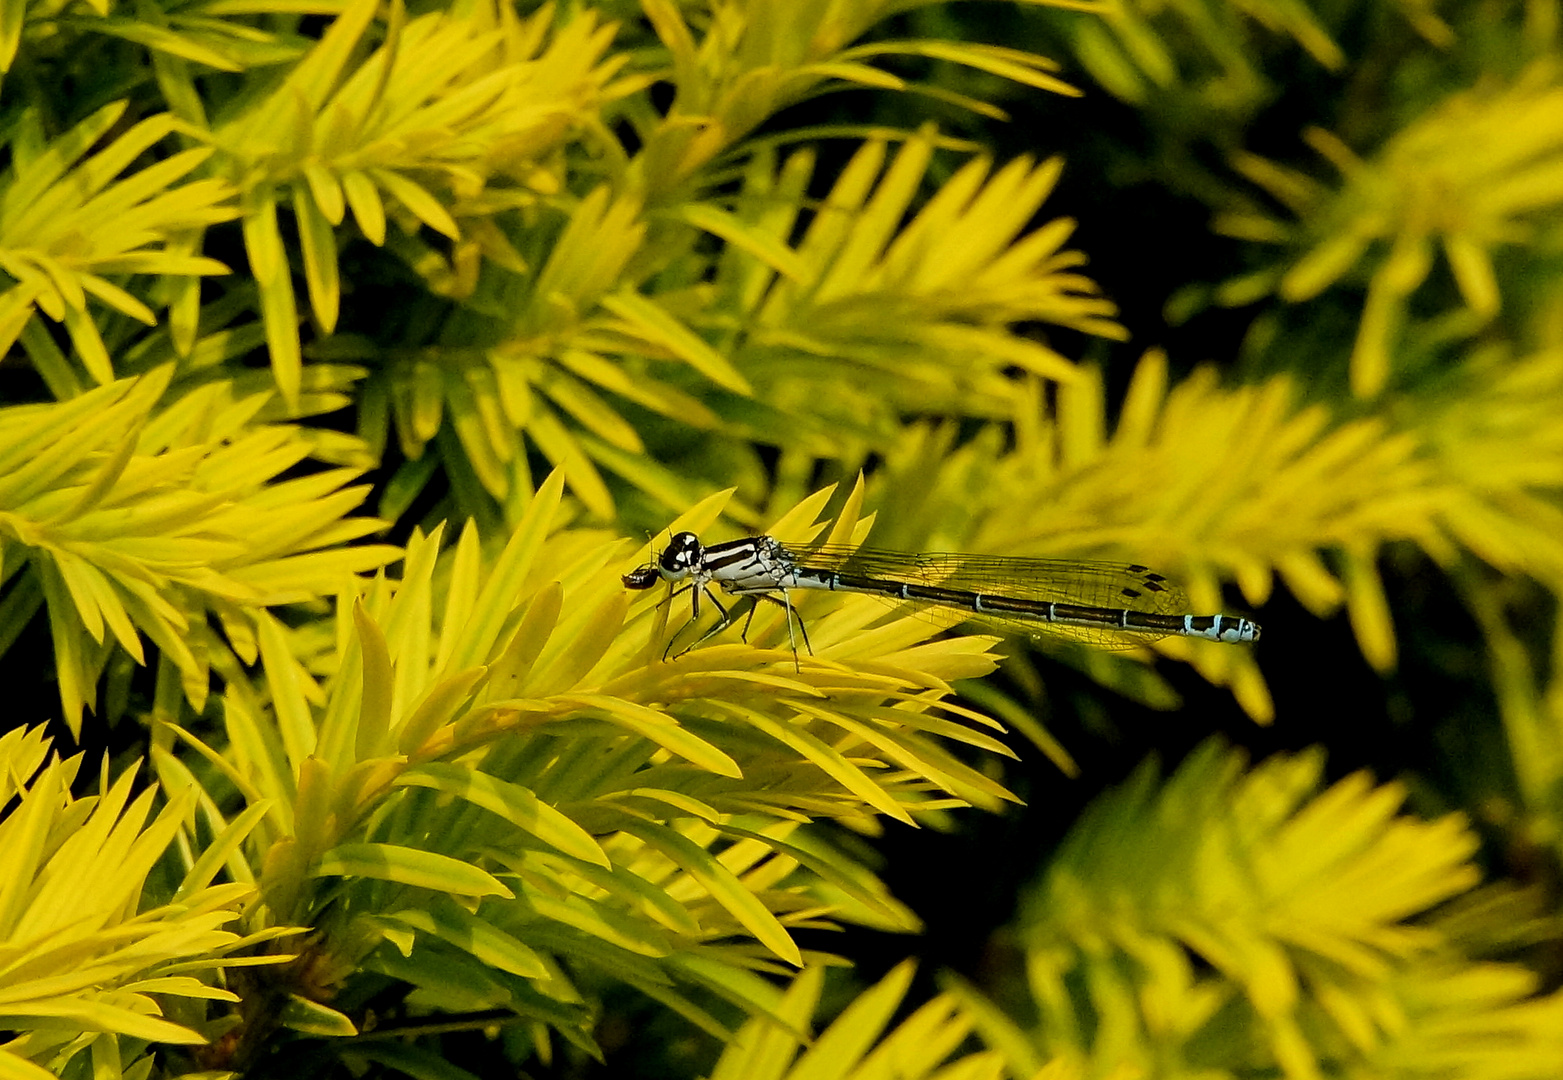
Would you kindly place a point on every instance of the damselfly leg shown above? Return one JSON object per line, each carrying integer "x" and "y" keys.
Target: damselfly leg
{"x": 729, "y": 617}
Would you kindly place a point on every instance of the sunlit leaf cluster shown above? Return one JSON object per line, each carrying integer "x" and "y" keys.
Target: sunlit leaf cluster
{"x": 83, "y": 962}
{"x": 498, "y": 784}
{"x": 1477, "y": 173}
{"x": 860, "y": 1042}
{"x": 128, "y": 524}
{"x": 1245, "y": 922}
{"x": 496, "y": 772}
{"x": 68, "y": 218}
{"x": 553, "y": 275}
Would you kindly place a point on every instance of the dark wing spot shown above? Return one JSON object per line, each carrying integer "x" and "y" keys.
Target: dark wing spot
{"x": 1132, "y": 594}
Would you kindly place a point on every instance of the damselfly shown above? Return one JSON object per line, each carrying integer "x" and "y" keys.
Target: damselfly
{"x": 1111, "y": 605}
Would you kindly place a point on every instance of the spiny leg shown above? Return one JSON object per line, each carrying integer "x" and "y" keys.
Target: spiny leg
{"x": 748, "y": 622}
{"x": 695, "y": 589}
{"x": 672, "y": 595}
{"x": 694, "y": 605}
{"x": 792, "y": 613}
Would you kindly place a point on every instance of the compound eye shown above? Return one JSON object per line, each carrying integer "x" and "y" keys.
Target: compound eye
{"x": 683, "y": 552}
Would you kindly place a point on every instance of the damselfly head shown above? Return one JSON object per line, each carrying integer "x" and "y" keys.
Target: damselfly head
{"x": 682, "y": 555}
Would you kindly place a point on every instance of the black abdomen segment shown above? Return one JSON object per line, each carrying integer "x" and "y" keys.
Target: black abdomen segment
{"x": 1210, "y": 627}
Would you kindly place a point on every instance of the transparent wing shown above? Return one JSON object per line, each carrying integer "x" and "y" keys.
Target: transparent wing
{"x": 1090, "y": 584}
